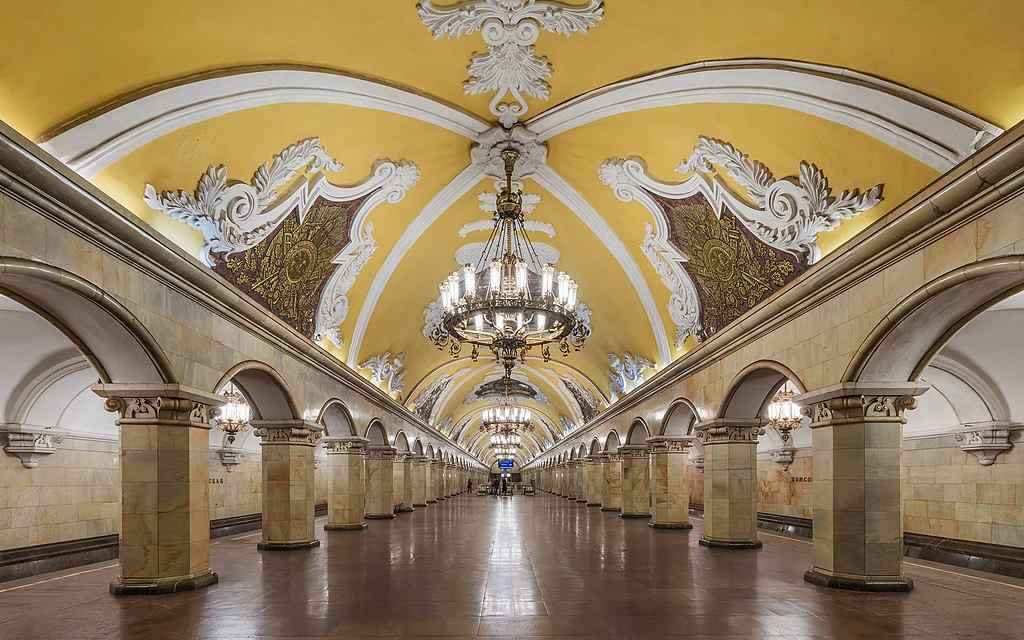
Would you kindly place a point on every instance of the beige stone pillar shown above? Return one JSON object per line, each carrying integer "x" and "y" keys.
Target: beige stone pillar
{"x": 380, "y": 482}
{"x": 670, "y": 486}
{"x": 437, "y": 477}
{"x": 289, "y": 489}
{"x": 165, "y": 519}
{"x": 430, "y": 480}
{"x": 581, "y": 481}
{"x": 570, "y": 480}
{"x": 636, "y": 484}
{"x": 420, "y": 480}
{"x": 402, "y": 488}
{"x": 857, "y": 435}
{"x": 595, "y": 480}
{"x": 612, "y": 483}
{"x": 730, "y": 482}
{"x": 346, "y": 495}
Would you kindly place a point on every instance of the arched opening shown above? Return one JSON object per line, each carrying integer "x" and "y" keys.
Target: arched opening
{"x": 337, "y": 420}
{"x": 402, "y": 442}
{"x": 611, "y": 442}
{"x": 265, "y": 390}
{"x": 595, "y": 447}
{"x": 376, "y": 433}
{"x": 679, "y": 418}
{"x": 638, "y": 432}
{"x": 754, "y": 387}
{"x": 417, "y": 446}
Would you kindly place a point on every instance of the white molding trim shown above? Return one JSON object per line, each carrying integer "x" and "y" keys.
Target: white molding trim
{"x": 28, "y": 392}
{"x": 930, "y": 130}
{"x": 94, "y": 144}
{"x": 445, "y": 198}
{"x": 550, "y": 179}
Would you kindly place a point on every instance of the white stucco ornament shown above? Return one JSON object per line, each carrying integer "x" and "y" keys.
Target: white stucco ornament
{"x": 510, "y": 67}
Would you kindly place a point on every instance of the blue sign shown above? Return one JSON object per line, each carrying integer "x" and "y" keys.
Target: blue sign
{"x": 505, "y": 464}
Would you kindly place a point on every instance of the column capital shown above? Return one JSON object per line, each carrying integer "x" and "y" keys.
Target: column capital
{"x": 728, "y": 431}
{"x": 634, "y": 450}
{"x": 145, "y": 403}
{"x": 597, "y": 458}
{"x": 342, "y": 445}
{"x": 670, "y": 444}
{"x": 380, "y": 452}
{"x": 851, "y": 402}
{"x": 420, "y": 458}
{"x": 290, "y": 432}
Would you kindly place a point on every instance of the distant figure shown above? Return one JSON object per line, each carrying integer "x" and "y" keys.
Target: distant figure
{"x": 503, "y": 486}
{"x": 469, "y": 486}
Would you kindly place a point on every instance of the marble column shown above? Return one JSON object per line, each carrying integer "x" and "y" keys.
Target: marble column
{"x": 402, "y": 487}
{"x": 612, "y": 483}
{"x": 730, "y": 482}
{"x": 420, "y": 480}
{"x": 437, "y": 478}
{"x": 581, "y": 481}
{"x": 670, "y": 486}
{"x": 380, "y": 482}
{"x": 595, "y": 480}
{"x": 857, "y": 435}
{"x": 430, "y": 474}
{"x": 346, "y": 501}
{"x": 289, "y": 489}
{"x": 570, "y": 480}
{"x": 636, "y": 484}
{"x": 165, "y": 518}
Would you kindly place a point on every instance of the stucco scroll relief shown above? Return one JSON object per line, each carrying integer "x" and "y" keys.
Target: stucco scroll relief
{"x": 780, "y": 216}
{"x": 626, "y": 372}
{"x": 387, "y": 370}
{"x": 510, "y": 67}
{"x": 327, "y": 239}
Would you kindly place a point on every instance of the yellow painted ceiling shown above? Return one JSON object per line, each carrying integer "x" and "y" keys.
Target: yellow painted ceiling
{"x": 63, "y": 58}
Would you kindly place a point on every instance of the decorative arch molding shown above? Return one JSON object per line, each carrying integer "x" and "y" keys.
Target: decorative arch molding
{"x": 915, "y": 330}
{"x": 401, "y": 442}
{"x": 638, "y": 425}
{"x": 116, "y": 344}
{"x": 612, "y": 442}
{"x": 676, "y": 407}
{"x": 975, "y": 379}
{"x": 265, "y": 389}
{"x": 758, "y": 380}
{"x": 97, "y": 139}
{"x": 34, "y": 386}
{"x": 376, "y": 433}
{"x": 335, "y": 416}
{"x": 929, "y": 130}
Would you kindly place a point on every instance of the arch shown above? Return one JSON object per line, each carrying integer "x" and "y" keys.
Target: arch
{"x": 402, "y": 442}
{"x": 337, "y": 419}
{"x": 679, "y": 418}
{"x": 638, "y": 432}
{"x": 901, "y": 345}
{"x": 429, "y": 451}
{"x": 581, "y": 452}
{"x": 114, "y": 342}
{"x": 417, "y": 446}
{"x": 753, "y": 388}
{"x": 264, "y": 388}
{"x": 376, "y": 433}
{"x": 595, "y": 447}
{"x": 612, "y": 442}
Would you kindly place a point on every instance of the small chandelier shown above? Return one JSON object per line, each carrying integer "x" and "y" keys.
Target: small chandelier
{"x": 235, "y": 414}
{"x": 506, "y": 440}
{"x": 509, "y": 302}
{"x": 784, "y": 417}
{"x": 505, "y": 451}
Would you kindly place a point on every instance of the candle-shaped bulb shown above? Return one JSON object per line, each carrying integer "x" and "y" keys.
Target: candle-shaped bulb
{"x": 469, "y": 280}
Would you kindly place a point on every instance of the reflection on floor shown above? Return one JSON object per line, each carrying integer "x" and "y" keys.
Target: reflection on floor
{"x": 514, "y": 568}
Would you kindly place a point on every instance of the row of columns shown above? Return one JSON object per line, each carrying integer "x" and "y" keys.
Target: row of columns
{"x": 857, "y": 433}
{"x": 165, "y": 528}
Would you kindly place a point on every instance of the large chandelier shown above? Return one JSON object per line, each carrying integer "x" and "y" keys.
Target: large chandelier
{"x": 234, "y": 414}
{"x": 509, "y": 302}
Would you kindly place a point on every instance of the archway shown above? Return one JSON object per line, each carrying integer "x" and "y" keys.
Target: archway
{"x": 337, "y": 419}
{"x": 376, "y": 433}
{"x": 638, "y": 433}
{"x": 264, "y": 388}
{"x": 679, "y": 419}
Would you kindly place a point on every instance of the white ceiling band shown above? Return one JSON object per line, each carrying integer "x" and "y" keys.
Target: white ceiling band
{"x": 934, "y": 132}
{"x": 97, "y": 142}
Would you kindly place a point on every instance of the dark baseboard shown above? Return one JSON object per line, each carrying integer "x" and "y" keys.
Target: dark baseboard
{"x": 43, "y": 558}
{"x": 980, "y": 556}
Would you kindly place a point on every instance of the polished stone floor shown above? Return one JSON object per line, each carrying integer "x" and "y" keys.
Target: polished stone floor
{"x": 512, "y": 568}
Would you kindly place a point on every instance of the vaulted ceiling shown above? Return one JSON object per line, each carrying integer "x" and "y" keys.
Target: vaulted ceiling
{"x": 868, "y": 92}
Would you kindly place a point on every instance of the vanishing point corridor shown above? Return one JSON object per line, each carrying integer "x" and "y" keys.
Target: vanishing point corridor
{"x": 517, "y": 567}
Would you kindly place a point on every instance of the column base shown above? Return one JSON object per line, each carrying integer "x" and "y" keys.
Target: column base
{"x": 419, "y": 504}
{"x": 380, "y": 516}
{"x": 634, "y": 515}
{"x": 614, "y": 509}
{"x": 581, "y": 500}
{"x": 670, "y": 525}
{"x": 345, "y": 527}
{"x": 593, "y": 504}
{"x": 430, "y": 502}
{"x": 836, "y": 582}
{"x": 287, "y": 546}
{"x": 729, "y": 544}
{"x": 406, "y": 509}
{"x": 157, "y": 586}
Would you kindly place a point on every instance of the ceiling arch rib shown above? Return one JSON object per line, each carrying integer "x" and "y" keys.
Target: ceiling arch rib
{"x": 90, "y": 144}
{"x": 930, "y": 130}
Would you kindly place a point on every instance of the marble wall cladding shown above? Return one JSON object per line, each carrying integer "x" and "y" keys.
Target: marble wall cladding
{"x": 73, "y": 493}
{"x": 612, "y": 469}
{"x": 730, "y": 495}
{"x": 288, "y": 493}
{"x": 636, "y": 486}
{"x": 947, "y": 493}
{"x": 786, "y": 492}
{"x": 236, "y": 490}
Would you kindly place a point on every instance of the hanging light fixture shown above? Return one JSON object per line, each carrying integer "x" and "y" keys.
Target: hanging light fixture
{"x": 783, "y": 418}
{"x": 235, "y": 414}
{"x": 509, "y": 302}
